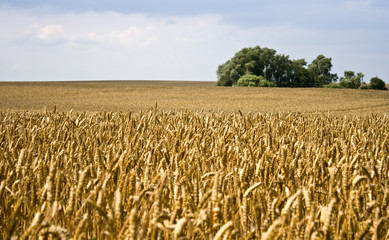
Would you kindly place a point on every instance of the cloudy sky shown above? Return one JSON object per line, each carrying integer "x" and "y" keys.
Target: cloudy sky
{"x": 51, "y": 40}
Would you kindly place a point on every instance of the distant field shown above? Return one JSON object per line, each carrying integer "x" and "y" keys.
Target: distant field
{"x": 178, "y": 95}
{"x": 169, "y": 173}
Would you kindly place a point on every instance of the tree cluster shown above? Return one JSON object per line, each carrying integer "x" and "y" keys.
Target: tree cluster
{"x": 249, "y": 80}
{"x": 350, "y": 80}
{"x": 263, "y": 67}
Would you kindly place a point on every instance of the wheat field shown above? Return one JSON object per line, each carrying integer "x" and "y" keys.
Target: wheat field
{"x": 135, "y": 96}
{"x": 193, "y": 175}
{"x": 155, "y": 173}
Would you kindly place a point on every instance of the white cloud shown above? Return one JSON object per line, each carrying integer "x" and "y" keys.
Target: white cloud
{"x": 132, "y": 35}
{"x": 51, "y": 34}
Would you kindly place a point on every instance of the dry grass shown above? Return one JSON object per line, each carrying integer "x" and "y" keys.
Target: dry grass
{"x": 140, "y": 95}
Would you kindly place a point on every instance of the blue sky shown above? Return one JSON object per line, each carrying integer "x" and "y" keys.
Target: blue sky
{"x": 55, "y": 40}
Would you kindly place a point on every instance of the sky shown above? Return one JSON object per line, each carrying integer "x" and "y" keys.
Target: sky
{"x": 56, "y": 40}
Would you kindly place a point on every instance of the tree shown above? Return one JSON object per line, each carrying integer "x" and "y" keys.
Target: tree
{"x": 266, "y": 56}
{"x": 377, "y": 83}
{"x": 255, "y": 61}
{"x": 301, "y": 76}
{"x": 276, "y": 68}
{"x": 250, "y": 80}
{"x": 283, "y": 71}
{"x": 223, "y": 74}
{"x": 320, "y": 70}
{"x": 280, "y": 70}
{"x": 350, "y": 80}
{"x": 264, "y": 83}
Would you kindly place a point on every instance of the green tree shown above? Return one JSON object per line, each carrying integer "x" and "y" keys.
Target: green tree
{"x": 250, "y": 80}
{"x": 280, "y": 70}
{"x": 350, "y": 80}
{"x": 377, "y": 83}
{"x": 301, "y": 76}
{"x": 276, "y": 68}
{"x": 320, "y": 70}
{"x": 264, "y": 83}
{"x": 255, "y": 61}
{"x": 223, "y": 74}
{"x": 266, "y": 56}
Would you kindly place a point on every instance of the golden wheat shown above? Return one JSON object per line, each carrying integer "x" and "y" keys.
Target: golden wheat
{"x": 193, "y": 175}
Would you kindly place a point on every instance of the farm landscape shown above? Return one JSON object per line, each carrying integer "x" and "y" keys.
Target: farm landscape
{"x": 189, "y": 160}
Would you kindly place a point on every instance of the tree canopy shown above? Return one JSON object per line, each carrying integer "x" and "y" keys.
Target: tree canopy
{"x": 320, "y": 71}
{"x": 350, "y": 80}
{"x": 377, "y": 83}
{"x": 263, "y": 67}
{"x": 250, "y": 80}
{"x": 275, "y": 68}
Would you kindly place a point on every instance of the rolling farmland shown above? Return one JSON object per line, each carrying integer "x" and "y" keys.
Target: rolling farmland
{"x": 205, "y": 162}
